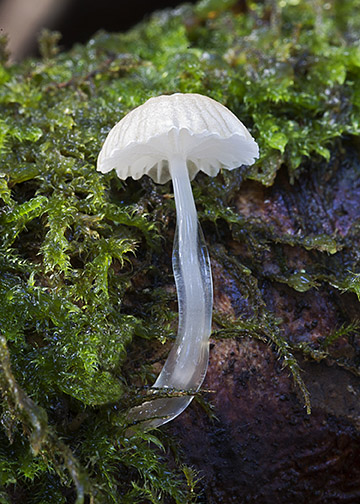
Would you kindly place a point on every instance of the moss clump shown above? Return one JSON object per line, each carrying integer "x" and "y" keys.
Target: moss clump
{"x": 80, "y": 250}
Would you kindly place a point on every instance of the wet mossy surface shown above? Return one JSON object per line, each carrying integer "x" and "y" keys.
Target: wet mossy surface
{"x": 87, "y": 300}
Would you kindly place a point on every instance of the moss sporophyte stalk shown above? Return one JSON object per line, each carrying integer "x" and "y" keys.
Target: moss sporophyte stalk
{"x": 175, "y": 137}
{"x": 87, "y": 294}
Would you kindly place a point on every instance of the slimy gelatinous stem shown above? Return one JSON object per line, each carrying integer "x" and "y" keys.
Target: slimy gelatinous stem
{"x": 186, "y": 365}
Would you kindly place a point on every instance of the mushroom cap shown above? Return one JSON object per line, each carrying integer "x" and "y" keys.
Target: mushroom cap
{"x": 192, "y": 126}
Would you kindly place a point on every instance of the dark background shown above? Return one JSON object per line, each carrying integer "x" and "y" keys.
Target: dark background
{"x": 84, "y": 17}
{"x": 77, "y": 20}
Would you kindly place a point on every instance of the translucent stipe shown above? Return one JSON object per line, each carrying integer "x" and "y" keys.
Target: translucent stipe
{"x": 186, "y": 365}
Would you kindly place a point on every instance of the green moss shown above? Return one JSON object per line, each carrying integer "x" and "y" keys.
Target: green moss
{"x": 82, "y": 265}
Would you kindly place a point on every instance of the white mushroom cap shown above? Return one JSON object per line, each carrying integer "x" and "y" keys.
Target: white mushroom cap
{"x": 196, "y": 127}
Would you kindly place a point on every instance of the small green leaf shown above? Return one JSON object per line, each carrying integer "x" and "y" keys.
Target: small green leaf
{"x": 5, "y": 192}
{"x": 323, "y": 151}
{"x": 278, "y": 141}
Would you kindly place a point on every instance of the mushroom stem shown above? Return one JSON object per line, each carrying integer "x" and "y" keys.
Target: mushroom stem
{"x": 186, "y": 365}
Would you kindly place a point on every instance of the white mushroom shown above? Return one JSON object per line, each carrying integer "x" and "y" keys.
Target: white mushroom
{"x": 173, "y": 137}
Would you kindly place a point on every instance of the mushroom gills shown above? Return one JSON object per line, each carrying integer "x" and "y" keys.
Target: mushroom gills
{"x": 186, "y": 365}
